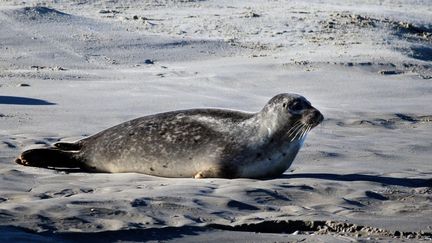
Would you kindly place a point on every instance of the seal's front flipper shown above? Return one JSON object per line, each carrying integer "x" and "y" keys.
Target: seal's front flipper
{"x": 206, "y": 174}
{"x": 48, "y": 157}
{"x": 68, "y": 146}
{"x": 199, "y": 175}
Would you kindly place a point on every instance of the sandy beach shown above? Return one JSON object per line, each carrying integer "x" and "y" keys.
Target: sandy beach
{"x": 69, "y": 69}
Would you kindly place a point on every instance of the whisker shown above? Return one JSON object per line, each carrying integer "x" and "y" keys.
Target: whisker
{"x": 295, "y": 130}
{"x": 308, "y": 128}
{"x": 293, "y": 126}
{"x": 294, "y": 135}
{"x": 298, "y": 131}
{"x": 302, "y": 132}
{"x": 304, "y": 129}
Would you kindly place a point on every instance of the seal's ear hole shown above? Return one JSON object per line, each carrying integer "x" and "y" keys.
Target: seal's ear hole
{"x": 284, "y": 105}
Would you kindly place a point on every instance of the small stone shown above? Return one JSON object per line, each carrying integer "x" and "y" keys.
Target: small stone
{"x": 59, "y": 68}
{"x": 389, "y": 72}
{"x": 139, "y": 202}
{"x": 252, "y": 15}
{"x": 148, "y": 61}
{"x": 135, "y": 17}
{"x": 23, "y": 85}
{"x": 108, "y": 11}
{"x": 37, "y": 67}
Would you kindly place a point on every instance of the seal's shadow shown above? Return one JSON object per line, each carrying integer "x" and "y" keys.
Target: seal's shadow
{"x": 385, "y": 180}
{"x": 406, "y": 182}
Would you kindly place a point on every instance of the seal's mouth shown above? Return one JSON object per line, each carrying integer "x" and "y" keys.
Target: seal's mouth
{"x": 302, "y": 127}
{"x": 313, "y": 117}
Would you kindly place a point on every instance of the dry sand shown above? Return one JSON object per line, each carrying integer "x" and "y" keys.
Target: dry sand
{"x": 71, "y": 68}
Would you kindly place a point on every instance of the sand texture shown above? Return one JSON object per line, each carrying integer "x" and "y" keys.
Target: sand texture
{"x": 69, "y": 69}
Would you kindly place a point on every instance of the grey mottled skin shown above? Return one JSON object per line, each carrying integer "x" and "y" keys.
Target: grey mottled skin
{"x": 202, "y": 142}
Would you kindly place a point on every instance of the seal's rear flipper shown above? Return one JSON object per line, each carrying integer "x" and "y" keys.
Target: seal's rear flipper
{"x": 48, "y": 157}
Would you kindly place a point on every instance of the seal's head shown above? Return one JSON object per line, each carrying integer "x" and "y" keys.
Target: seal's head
{"x": 294, "y": 114}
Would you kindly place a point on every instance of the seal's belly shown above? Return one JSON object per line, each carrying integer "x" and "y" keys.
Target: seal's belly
{"x": 185, "y": 165}
{"x": 179, "y": 168}
{"x": 274, "y": 162}
{"x": 188, "y": 161}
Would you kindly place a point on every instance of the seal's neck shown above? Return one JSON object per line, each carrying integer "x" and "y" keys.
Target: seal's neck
{"x": 266, "y": 125}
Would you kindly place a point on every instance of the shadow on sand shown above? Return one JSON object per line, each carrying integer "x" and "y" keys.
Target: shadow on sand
{"x": 385, "y": 180}
{"x": 407, "y": 182}
{"x": 17, "y": 234}
{"x": 14, "y": 100}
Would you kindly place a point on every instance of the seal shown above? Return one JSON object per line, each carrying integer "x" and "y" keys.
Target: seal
{"x": 199, "y": 143}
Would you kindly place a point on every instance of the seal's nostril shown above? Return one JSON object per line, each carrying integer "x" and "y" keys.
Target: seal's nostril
{"x": 321, "y": 117}
{"x": 315, "y": 117}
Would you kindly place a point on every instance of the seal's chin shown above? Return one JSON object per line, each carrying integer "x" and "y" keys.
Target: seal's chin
{"x": 314, "y": 123}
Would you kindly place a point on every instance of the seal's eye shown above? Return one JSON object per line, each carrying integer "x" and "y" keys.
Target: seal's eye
{"x": 296, "y": 106}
